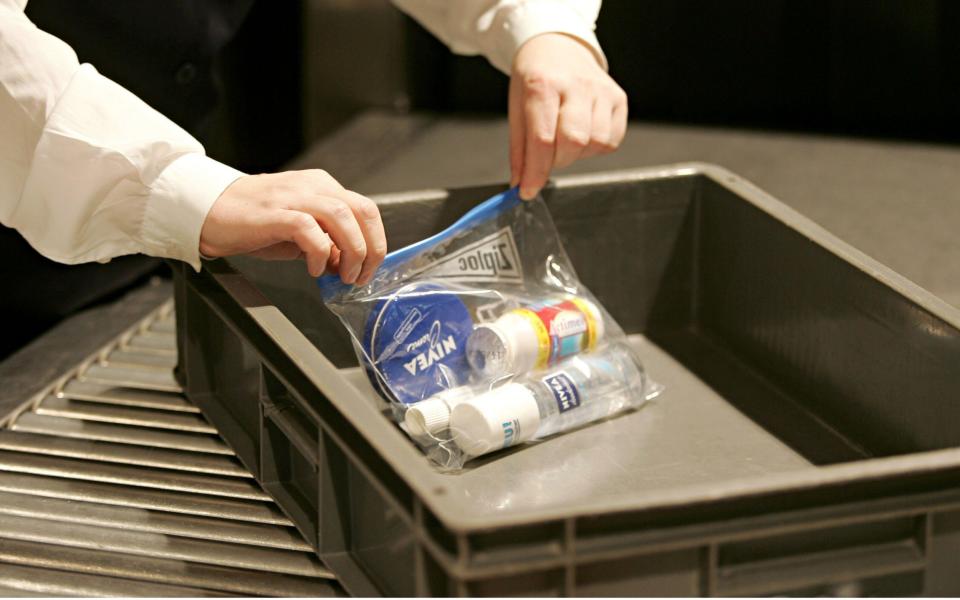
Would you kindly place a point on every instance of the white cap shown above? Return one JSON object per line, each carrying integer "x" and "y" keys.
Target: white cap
{"x": 506, "y": 346}
{"x": 502, "y": 417}
{"x": 489, "y": 350}
{"x": 427, "y": 417}
{"x": 431, "y": 416}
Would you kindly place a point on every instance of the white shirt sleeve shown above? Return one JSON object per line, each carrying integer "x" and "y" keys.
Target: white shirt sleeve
{"x": 497, "y": 28}
{"x": 87, "y": 170}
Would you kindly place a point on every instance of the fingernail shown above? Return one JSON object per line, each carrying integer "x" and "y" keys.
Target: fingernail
{"x": 527, "y": 194}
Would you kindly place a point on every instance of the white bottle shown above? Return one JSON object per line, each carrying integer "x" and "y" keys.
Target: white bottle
{"x": 431, "y": 416}
{"x": 534, "y": 337}
{"x": 579, "y": 390}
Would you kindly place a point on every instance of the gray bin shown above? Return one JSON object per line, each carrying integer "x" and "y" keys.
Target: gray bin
{"x": 807, "y": 441}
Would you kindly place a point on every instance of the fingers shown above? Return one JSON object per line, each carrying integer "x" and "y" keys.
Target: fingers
{"x": 303, "y": 230}
{"x": 574, "y": 127}
{"x": 600, "y": 129}
{"x": 540, "y": 113}
{"x": 517, "y": 131}
{"x": 333, "y": 263}
{"x": 353, "y": 222}
{"x": 551, "y": 129}
{"x": 563, "y": 106}
{"x": 371, "y": 226}
{"x": 336, "y": 217}
{"x": 618, "y": 120}
{"x": 298, "y": 214}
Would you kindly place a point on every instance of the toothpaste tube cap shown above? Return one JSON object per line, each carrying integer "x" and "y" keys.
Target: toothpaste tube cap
{"x": 502, "y": 417}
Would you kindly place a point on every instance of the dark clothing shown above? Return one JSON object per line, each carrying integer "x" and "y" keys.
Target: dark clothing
{"x": 164, "y": 52}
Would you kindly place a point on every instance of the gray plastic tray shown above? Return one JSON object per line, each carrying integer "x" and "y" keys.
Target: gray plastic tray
{"x": 806, "y": 442}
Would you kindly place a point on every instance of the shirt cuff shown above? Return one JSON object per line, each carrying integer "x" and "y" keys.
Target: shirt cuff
{"x": 530, "y": 19}
{"x": 180, "y": 198}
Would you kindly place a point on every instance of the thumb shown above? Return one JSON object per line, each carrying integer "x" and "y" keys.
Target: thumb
{"x": 517, "y": 131}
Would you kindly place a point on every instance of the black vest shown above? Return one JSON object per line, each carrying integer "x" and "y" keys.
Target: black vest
{"x": 161, "y": 50}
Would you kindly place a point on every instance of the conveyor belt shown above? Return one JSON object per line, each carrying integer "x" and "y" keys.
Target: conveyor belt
{"x": 114, "y": 484}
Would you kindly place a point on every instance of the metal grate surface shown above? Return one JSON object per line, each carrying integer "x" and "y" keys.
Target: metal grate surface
{"x": 114, "y": 484}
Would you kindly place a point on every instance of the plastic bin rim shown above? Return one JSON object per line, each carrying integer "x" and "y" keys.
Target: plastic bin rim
{"x": 430, "y": 485}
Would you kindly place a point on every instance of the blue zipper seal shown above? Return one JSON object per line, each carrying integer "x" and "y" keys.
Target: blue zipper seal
{"x": 331, "y": 285}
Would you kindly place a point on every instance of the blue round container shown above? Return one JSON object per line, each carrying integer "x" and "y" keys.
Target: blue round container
{"x": 416, "y": 342}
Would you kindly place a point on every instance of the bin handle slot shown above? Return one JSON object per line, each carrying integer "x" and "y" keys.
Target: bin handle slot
{"x": 838, "y": 566}
{"x": 287, "y": 419}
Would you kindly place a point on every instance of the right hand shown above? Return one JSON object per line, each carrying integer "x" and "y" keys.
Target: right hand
{"x": 298, "y": 214}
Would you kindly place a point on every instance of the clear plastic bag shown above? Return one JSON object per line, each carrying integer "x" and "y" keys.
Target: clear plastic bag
{"x": 482, "y": 337}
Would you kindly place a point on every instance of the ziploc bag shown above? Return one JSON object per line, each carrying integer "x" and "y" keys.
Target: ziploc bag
{"x": 482, "y": 337}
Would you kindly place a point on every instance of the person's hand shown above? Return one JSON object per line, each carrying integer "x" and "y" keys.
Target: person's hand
{"x": 563, "y": 107}
{"x": 297, "y": 214}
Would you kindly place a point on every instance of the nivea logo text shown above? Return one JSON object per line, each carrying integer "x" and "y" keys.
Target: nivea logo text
{"x": 564, "y": 391}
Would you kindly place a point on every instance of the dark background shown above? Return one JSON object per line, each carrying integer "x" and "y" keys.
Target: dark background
{"x": 868, "y": 67}
{"x": 258, "y": 81}
{"x": 885, "y": 68}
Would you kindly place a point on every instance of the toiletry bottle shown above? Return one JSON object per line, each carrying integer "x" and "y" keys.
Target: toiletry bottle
{"x": 577, "y": 391}
{"x": 534, "y": 337}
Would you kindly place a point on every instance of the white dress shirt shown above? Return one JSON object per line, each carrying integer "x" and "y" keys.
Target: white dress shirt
{"x": 88, "y": 171}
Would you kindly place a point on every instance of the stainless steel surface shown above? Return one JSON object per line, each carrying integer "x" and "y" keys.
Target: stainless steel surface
{"x": 114, "y": 484}
{"x": 136, "y": 519}
{"x": 176, "y": 572}
{"x": 87, "y": 470}
{"x": 147, "y": 379}
{"x": 153, "y": 342}
{"x": 121, "y": 453}
{"x": 161, "y": 546}
{"x": 141, "y": 360}
{"x": 124, "y": 434}
{"x": 164, "y": 325}
{"x": 120, "y": 495}
{"x": 106, "y": 393}
{"x": 56, "y": 355}
{"x": 48, "y": 582}
{"x": 64, "y": 407}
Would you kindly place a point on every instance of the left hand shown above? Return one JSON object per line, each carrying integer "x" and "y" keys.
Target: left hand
{"x": 563, "y": 107}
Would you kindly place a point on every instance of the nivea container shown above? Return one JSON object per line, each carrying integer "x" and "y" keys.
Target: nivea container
{"x": 415, "y": 340}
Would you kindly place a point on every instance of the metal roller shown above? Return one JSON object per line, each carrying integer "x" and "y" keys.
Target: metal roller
{"x": 193, "y": 462}
{"x": 137, "y": 359}
{"x": 64, "y": 407}
{"x": 116, "y": 485}
{"x": 69, "y": 468}
{"x": 159, "y": 500}
{"x": 107, "y": 393}
{"x": 136, "y": 519}
{"x": 50, "y": 582}
{"x": 171, "y": 572}
{"x": 161, "y": 546}
{"x": 147, "y": 379}
{"x": 122, "y": 434}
